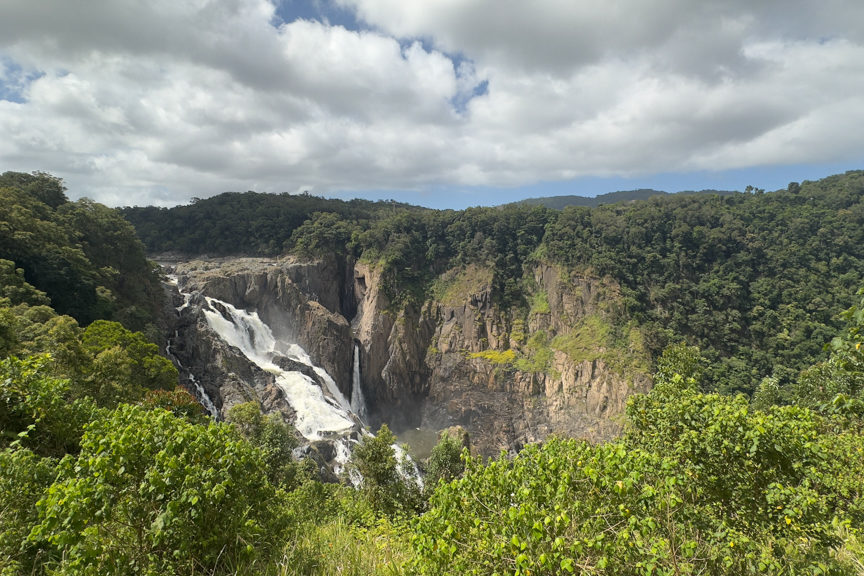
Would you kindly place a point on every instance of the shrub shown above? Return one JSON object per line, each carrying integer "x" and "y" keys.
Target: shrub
{"x": 152, "y": 493}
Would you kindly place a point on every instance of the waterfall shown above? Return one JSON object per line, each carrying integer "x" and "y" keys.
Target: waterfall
{"x": 322, "y": 412}
{"x": 358, "y": 402}
{"x": 317, "y": 415}
{"x": 200, "y": 394}
{"x": 408, "y": 469}
{"x": 203, "y": 398}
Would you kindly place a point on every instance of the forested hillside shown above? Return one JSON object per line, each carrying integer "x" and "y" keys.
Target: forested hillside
{"x": 560, "y": 202}
{"x": 240, "y": 223}
{"x": 82, "y": 255}
{"x": 755, "y": 279}
{"x": 106, "y": 468}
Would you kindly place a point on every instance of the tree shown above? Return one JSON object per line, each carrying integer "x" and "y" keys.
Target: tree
{"x": 37, "y": 411}
{"x": 445, "y": 462}
{"x": 16, "y": 289}
{"x": 42, "y": 186}
{"x": 382, "y": 484}
{"x": 152, "y": 493}
{"x": 836, "y": 385}
{"x": 273, "y": 436}
{"x": 767, "y": 394}
{"x": 24, "y": 479}
{"x": 685, "y": 362}
{"x": 177, "y": 401}
{"x": 125, "y": 363}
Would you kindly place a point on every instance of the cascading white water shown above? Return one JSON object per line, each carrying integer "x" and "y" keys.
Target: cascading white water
{"x": 317, "y": 415}
{"x": 358, "y": 402}
{"x": 407, "y": 467}
{"x": 296, "y": 353}
{"x": 204, "y": 398}
{"x": 200, "y": 394}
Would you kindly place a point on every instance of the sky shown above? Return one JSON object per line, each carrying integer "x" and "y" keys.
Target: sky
{"x": 443, "y": 103}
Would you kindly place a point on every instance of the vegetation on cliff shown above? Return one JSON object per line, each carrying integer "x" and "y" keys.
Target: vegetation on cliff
{"x": 699, "y": 484}
{"x": 84, "y": 256}
{"x": 106, "y": 468}
{"x": 754, "y": 279}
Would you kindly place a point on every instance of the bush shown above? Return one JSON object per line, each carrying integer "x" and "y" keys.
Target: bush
{"x": 445, "y": 463}
{"x": 37, "y": 411}
{"x": 699, "y": 485}
{"x": 152, "y": 493}
{"x": 24, "y": 478}
{"x": 383, "y": 481}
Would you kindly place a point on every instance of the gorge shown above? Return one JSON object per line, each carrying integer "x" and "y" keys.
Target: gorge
{"x": 429, "y": 367}
{"x": 513, "y": 324}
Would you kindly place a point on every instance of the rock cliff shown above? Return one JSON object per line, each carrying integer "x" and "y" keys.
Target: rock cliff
{"x": 564, "y": 363}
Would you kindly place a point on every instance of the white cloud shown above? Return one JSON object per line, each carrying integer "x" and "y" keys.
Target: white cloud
{"x": 158, "y": 101}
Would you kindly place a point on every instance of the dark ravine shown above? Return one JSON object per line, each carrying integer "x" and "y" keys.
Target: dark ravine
{"x": 422, "y": 367}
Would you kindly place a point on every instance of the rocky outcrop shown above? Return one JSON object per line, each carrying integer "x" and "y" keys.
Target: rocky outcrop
{"x": 225, "y": 375}
{"x": 393, "y": 349}
{"x": 427, "y": 368}
{"x": 300, "y": 302}
{"x": 507, "y": 376}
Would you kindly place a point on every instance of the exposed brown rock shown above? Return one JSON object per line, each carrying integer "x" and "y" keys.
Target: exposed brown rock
{"x": 417, "y": 364}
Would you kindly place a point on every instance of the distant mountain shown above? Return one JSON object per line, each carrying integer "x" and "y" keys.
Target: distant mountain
{"x": 559, "y": 202}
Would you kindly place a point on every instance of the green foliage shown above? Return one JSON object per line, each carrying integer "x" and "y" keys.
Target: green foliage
{"x": 24, "y": 478}
{"x": 244, "y": 223}
{"x": 539, "y": 303}
{"x": 105, "y": 362}
{"x": 588, "y": 340}
{"x": 699, "y": 486}
{"x": 15, "y": 289}
{"x": 323, "y": 234}
{"x": 177, "y": 401}
{"x": 43, "y": 187}
{"x": 40, "y": 331}
{"x": 753, "y": 280}
{"x": 537, "y": 354}
{"x": 152, "y": 493}
{"x": 82, "y": 255}
{"x": 8, "y": 332}
{"x": 339, "y": 547}
{"x": 495, "y": 356}
{"x": 835, "y": 387}
{"x": 458, "y": 285}
{"x": 125, "y": 364}
{"x": 561, "y": 508}
{"x": 445, "y": 462}
{"x": 685, "y": 362}
{"x": 333, "y": 531}
{"x": 559, "y": 202}
{"x": 273, "y": 437}
{"x": 37, "y": 411}
{"x": 734, "y": 454}
{"x": 767, "y": 394}
{"x": 383, "y": 484}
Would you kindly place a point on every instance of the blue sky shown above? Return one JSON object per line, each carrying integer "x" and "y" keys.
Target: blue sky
{"x": 769, "y": 178}
{"x": 444, "y": 104}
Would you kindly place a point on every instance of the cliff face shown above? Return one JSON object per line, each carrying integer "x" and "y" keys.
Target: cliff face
{"x": 222, "y": 371}
{"x": 508, "y": 380}
{"x": 300, "y": 302}
{"x": 565, "y": 366}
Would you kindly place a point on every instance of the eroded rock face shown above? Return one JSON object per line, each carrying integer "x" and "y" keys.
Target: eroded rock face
{"x": 226, "y": 376}
{"x": 300, "y": 302}
{"x": 419, "y": 369}
{"x": 423, "y": 367}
